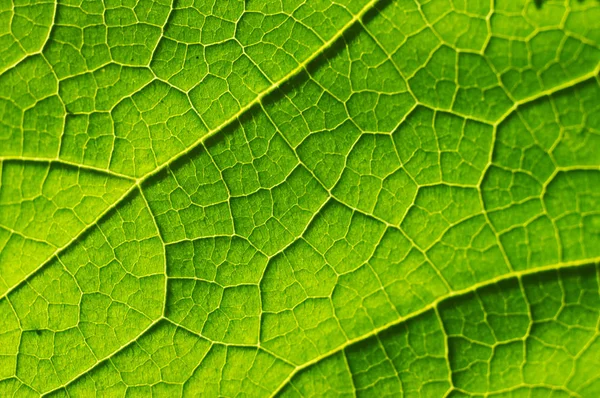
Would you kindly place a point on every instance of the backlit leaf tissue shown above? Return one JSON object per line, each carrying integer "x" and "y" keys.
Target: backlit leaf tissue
{"x": 300, "y": 198}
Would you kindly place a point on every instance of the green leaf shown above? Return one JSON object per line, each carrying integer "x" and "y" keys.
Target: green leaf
{"x": 300, "y": 198}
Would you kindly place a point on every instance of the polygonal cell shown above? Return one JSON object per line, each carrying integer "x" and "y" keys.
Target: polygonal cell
{"x": 151, "y": 127}
{"x": 189, "y": 199}
{"x": 251, "y": 154}
{"x": 272, "y": 219}
{"x": 235, "y": 370}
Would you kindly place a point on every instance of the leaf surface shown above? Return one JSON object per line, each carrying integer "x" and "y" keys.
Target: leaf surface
{"x": 300, "y": 198}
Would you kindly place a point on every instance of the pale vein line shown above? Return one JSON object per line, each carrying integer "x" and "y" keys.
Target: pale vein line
{"x": 272, "y": 88}
{"x": 434, "y": 305}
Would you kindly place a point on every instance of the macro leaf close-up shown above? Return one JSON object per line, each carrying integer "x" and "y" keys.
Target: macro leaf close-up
{"x": 300, "y": 198}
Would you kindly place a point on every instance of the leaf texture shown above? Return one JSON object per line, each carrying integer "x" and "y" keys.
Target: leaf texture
{"x": 300, "y": 198}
